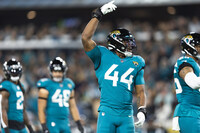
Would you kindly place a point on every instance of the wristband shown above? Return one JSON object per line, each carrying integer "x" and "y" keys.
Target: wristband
{"x": 97, "y": 14}
{"x": 143, "y": 110}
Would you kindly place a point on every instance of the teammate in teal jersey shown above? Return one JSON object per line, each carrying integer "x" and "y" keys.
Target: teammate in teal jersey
{"x": 187, "y": 82}
{"x": 56, "y": 98}
{"x": 14, "y": 117}
{"x": 118, "y": 72}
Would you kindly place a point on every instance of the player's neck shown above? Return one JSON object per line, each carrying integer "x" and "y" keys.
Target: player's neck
{"x": 193, "y": 58}
{"x": 120, "y": 54}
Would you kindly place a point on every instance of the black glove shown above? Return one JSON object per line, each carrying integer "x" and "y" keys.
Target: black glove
{"x": 80, "y": 127}
{"x": 30, "y": 129}
{"x": 6, "y": 130}
{"x": 44, "y": 128}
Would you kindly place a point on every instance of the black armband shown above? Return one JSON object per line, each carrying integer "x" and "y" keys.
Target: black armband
{"x": 185, "y": 64}
{"x": 143, "y": 110}
{"x": 42, "y": 98}
{"x": 97, "y": 14}
{"x": 79, "y": 125}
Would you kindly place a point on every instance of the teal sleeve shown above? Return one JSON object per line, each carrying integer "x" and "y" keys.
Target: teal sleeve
{"x": 95, "y": 56}
{"x": 140, "y": 78}
{"x": 42, "y": 83}
{"x": 71, "y": 84}
{"x": 4, "y": 86}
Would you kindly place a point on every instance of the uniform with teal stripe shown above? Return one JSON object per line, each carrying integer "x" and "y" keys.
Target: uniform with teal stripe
{"x": 15, "y": 100}
{"x": 188, "y": 98}
{"x": 58, "y": 98}
{"x": 116, "y": 77}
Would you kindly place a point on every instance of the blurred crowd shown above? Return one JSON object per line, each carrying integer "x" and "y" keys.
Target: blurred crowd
{"x": 158, "y": 43}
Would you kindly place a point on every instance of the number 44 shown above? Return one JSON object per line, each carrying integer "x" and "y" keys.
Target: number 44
{"x": 115, "y": 77}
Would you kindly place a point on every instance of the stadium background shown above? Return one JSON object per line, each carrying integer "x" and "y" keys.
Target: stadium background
{"x": 36, "y": 31}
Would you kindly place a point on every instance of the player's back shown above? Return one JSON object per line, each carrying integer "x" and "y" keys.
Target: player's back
{"x": 15, "y": 100}
{"x": 188, "y": 98}
{"x": 116, "y": 78}
{"x": 58, "y": 98}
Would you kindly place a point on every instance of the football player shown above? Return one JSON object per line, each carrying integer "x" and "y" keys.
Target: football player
{"x": 118, "y": 72}
{"x": 14, "y": 117}
{"x": 187, "y": 83}
{"x": 56, "y": 98}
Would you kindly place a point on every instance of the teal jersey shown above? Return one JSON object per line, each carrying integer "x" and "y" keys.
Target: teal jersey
{"x": 58, "y": 98}
{"x": 188, "y": 98}
{"x": 116, "y": 77}
{"x": 15, "y": 100}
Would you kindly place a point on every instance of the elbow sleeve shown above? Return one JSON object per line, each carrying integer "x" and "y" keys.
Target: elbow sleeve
{"x": 192, "y": 80}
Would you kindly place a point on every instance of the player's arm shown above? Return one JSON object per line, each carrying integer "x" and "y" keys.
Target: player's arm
{"x": 42, "y": 103}
{"x": 4, "y": 106}
{"x": 26, "y": 120}
{"x": 186, "y": 72}
{"x": 74, "y": 112}
{"x": 141, "y": 98}
{"x": 91, "y": 27}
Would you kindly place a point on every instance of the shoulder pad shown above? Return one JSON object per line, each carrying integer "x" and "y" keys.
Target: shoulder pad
{"x": 70, "y": 83}
{"x": 5, "y": 85}
{"x": 42, "y": 83}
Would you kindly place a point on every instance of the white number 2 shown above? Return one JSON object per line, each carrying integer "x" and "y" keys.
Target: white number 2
{"x": 19, "y": 103}
{"x": 115, "y": 77}
{"x": 61, "y": 99}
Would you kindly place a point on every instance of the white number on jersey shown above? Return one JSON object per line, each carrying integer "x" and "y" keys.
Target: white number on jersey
{"x": 19, "y": 103}
{"x": 115, "y": 78}
{"x": 179, "y": 88}
{"x": 61, "y": 98}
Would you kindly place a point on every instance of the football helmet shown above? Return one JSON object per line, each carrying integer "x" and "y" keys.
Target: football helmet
{"x": 188, "y": 43}
{"x": 12, "y": 70}
{"x": 121, "y": 40}
{"x": 57, "y": 64}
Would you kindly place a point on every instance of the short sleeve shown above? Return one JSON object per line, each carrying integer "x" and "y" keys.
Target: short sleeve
{"x": 4, "y": 86}
{"x": 95, "y": 56}
{"x": 140, "y": 78}
{"x": 70, "y": 84}
{"x": 42, "y": 83}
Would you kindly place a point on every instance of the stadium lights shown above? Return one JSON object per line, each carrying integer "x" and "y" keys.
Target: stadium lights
{"x": 31, "y": 14}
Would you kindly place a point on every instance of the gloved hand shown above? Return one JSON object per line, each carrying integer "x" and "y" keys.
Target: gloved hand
{"x": 141, "y": 115}
{"x": 106, "y": 8}
{"x": 109, "y": 7}
{"x": 44, "y": 128}
{"x": 30, "y": 129}
{"x": 80, "y": 127}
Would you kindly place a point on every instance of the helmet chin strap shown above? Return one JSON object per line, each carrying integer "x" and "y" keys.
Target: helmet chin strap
{"x": 57, "y": 79}
{"x": 14, "y": 78}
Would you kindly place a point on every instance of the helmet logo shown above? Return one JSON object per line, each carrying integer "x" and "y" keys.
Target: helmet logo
{"x": 188, "y": 38}
{"x": 115, "y": 32}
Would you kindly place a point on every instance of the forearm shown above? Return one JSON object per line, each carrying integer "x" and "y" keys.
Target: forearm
{"x": 41, "y": 111}
{"x": 26, "y": 120}
{"x": 90, "y": 29}
{"x": 5, "y": 118}
{"x": 141, "y": 99}
{"x": 75, "y": 113}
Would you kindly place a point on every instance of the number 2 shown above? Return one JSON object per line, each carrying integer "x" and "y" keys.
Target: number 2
{"x": 115, "y": 77}
{"x": 19, "y": 103}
